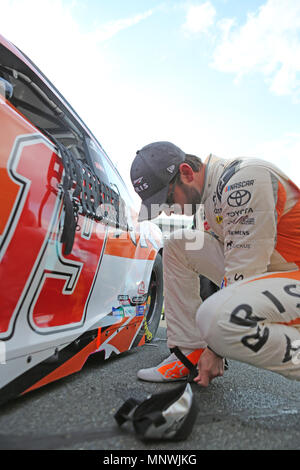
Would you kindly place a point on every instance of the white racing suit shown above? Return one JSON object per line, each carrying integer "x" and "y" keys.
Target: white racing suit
{"x": 252, "y": 251}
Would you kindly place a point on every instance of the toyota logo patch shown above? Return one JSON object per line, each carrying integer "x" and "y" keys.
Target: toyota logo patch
{"x": 239, "y": 198}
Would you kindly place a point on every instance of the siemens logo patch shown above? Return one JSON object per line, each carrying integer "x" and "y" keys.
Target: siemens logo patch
{"x": 238, "y": 232}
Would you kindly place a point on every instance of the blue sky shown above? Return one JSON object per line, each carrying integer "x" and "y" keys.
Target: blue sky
{"x": 215, "y": 76}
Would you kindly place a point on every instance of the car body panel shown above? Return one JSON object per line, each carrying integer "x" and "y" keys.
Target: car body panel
{"x": 56, "y": 308}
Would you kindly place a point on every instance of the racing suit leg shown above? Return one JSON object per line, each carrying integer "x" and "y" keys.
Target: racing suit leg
{"x": 256, "y": 321}
{"x": 188, "y": 253}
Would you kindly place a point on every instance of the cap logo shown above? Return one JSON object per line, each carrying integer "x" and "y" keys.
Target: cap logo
{"x": 171, "y": 169}
{"x": 138, "y": 181}
{"x": 140, "y": 185}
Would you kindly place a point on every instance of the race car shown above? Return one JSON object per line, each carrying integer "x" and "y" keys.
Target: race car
{"x": 79, "y": 275}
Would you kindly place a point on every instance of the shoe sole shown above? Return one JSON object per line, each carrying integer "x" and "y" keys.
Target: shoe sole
{"x": 179, "y": 379}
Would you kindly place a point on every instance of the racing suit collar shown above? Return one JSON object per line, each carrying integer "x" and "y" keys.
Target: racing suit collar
{"x": 213, "y": 169}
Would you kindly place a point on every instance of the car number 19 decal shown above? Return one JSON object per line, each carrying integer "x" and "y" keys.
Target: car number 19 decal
{"x": 35, "y": 277}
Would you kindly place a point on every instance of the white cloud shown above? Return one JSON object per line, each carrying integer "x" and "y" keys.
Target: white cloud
{"x": 199, "y": 18}
{"x": 268, "y": 43}
{"x": 48, "y": 32}
{"x": 108, "y": 30}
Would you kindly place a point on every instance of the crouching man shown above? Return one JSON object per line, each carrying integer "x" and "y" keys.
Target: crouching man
{"x": 251, "y": 250}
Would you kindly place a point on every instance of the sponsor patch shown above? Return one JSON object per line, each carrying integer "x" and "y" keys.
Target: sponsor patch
{"x": 230, "y": 245}
{"x": 117, "y": 311}
{"x": 243, "y": 220}
{"x": 139, "y": 310}
{"x": 238, "y": 232}
{"x": 240, "y": 212}
{"x": 239, "y": 198}
{"x": 124, "y": 299}
{"x": 241, "y": 184}
{"x": 141, "y": 288}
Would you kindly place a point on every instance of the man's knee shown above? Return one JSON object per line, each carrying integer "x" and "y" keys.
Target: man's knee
{"x": 213, "y": 316}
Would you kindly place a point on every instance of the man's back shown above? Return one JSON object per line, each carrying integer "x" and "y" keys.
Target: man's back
{"x": 254, "y": 210}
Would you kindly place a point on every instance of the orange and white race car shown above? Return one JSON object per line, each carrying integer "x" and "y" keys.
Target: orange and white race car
{"x": 78, "y": 274}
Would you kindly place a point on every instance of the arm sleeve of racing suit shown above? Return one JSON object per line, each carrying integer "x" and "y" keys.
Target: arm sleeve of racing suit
{"x": 249, "y": 222}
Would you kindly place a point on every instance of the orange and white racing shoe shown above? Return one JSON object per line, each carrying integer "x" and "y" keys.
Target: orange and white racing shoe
{"x": 171, "y": 369}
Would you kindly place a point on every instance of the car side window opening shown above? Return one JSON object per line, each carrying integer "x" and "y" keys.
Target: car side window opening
{"x": 103, "y": 166}
{"x": 85, "y": 164}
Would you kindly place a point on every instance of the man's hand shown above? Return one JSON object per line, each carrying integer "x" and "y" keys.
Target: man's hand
{"x": 209, "y": 366}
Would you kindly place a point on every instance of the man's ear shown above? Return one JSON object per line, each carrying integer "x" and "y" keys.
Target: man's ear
{"x": 186, "y": 172}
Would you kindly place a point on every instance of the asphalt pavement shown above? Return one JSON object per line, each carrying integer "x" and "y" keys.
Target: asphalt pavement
{"x": 247, "y": 409}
